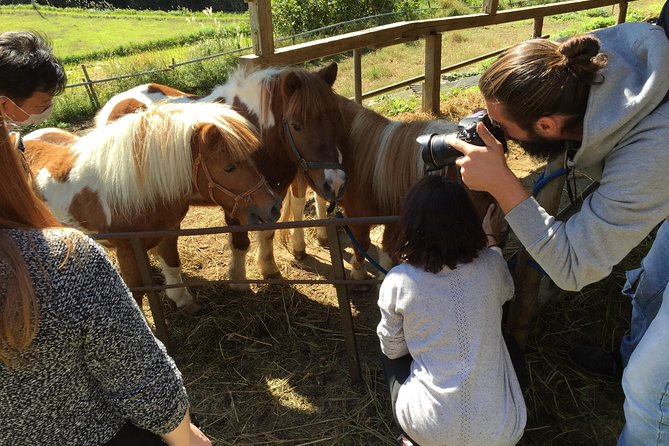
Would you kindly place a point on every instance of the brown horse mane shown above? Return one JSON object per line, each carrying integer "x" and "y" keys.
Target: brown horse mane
{"x": 314, "y": 97}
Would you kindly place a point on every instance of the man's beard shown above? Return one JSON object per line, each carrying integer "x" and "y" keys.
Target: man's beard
{"x": 542, "y": 148}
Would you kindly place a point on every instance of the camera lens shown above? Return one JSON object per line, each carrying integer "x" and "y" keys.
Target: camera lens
{"x": 436, "y": 152}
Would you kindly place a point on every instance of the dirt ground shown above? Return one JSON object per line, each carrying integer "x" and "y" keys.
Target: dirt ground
{"x": 269, "y": 366}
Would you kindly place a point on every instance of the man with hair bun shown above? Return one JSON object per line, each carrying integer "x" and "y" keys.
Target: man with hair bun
{"x": 602, "y": 97}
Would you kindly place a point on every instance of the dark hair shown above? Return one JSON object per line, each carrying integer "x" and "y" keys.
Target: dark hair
{"x": 539, "y": 77}
{"x": 27, "y": 65}
{"x": 438, "y": 226}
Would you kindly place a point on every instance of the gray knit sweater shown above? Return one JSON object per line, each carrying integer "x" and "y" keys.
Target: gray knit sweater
{"x": 95, "y": 363}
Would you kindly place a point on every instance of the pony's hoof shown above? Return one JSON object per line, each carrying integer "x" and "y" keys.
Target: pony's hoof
{"x": 241, "y": 287}
{"x": 193, "y": 309}
{"x": 299, "y": 255}
{"x": 363, "y": 288}
{"x": 323, "y": 241}
{"x": 276, "y": 275}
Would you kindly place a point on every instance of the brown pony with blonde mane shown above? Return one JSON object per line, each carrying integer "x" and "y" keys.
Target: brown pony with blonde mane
{"x": 382, "y": 161}
{"x": 300, "y": 129}
{"x": 140, "y": 173}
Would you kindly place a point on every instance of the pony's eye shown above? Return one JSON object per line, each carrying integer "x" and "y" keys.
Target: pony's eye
{"x": 230, "y": 168}
{"x": 296, "y": 127}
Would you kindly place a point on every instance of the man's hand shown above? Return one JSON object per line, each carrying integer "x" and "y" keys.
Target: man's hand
{"x": 481, "y": 166}
{"x": 484, "y": 168}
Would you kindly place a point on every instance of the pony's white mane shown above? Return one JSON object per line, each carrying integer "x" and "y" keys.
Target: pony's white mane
{"x": 251, "y": 87}
{"x": 145, "y": 158}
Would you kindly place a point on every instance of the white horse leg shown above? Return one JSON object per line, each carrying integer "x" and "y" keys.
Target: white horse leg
{"x": 180, "y": 296}
{"x": 358, "y": 268}
{"x": 237, "y": 268}
{"x": 266, "y": 264}
{"x": 321, "y": 213}
{"x": 170, "y": 264}
{"x": 297, "y": 234}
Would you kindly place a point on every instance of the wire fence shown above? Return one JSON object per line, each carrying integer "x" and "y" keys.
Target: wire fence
{"x": 89, "y": 83}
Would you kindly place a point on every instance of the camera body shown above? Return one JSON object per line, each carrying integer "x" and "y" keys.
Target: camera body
{"x": 437, "y": 153}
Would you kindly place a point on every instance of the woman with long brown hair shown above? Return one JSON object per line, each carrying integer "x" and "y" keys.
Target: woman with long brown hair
{"x": 78, "y": 362}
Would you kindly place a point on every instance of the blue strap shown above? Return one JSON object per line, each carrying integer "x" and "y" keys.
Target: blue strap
{"x": 543, "y": 180}
{"x": 511, "y": 263}
{"x": 358, "y": 247}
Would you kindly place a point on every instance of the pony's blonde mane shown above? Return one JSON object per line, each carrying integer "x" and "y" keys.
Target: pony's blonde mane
{"x": 380, "y": 147}
{"x": 145, "y": 158}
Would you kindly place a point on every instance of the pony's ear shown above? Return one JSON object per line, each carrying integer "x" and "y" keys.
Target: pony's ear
{"x": 208, "y": 135}
{"x": 329, "y": 73}
{"x": 290, "y": 83}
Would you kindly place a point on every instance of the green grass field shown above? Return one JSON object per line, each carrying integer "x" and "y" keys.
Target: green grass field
{"x": 76, "y": 33}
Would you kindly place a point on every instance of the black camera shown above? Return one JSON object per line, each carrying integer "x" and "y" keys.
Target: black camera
{"x": 437, "y": 153}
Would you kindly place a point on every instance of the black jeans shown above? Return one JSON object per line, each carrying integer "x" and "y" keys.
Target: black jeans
{"x": 131, "y": 435}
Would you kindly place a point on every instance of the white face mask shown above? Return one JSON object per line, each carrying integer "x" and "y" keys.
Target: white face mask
{"x": 31, "y": 119}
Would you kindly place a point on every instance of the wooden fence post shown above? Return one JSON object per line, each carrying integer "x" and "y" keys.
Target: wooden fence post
{"x": 89, "y": 87}
{"x": 357, "y": 75}
{"x": 526, "y": 278}
{"x": 344, "y": 302}
{"x": 537, "y": 27}
{"x": 490, "y": 6}
{"x": 622, "y": 12}
{"x": 261, "y": 27}
{"x": 432, "y": 73}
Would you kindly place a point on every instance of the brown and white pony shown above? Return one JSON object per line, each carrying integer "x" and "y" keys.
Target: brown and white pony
{"x": 382, "y": 161}
{"x": 139, "y": 173}
{"x": 300, "y": 126}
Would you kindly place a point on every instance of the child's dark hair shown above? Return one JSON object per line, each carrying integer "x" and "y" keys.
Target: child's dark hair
{"x": 438, "y": 226}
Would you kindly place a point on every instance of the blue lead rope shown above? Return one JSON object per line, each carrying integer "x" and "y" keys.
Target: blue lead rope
{"x": 358, "y": 247}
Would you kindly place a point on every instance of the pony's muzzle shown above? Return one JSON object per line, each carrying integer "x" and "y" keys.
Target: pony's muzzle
{"x": 265, "y": 214}
{"x": 335, "y": 180}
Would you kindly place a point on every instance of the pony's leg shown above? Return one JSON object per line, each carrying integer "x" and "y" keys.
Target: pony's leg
{"x": 170, "y": 264}
{"x": 321, "y": 213}
{"x": 390, "y": 232}
{"x": 297, "y": 200}
{"x": 265, "y": 260}
{"x": 239, "y": 246}
{"x": 129, "y": 271}
{"x": 358, "y": 266}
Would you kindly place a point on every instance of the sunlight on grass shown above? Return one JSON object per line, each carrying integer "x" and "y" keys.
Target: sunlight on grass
{"x": 286, "y": 395}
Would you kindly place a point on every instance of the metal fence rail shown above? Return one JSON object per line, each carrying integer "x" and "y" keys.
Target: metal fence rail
{"x": 338, "y": 279}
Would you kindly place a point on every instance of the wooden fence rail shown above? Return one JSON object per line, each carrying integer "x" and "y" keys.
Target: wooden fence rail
{"x": 401, "y": 32}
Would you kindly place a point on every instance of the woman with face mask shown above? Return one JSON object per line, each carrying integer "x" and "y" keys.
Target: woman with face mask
{"x": 30, "y": 76}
